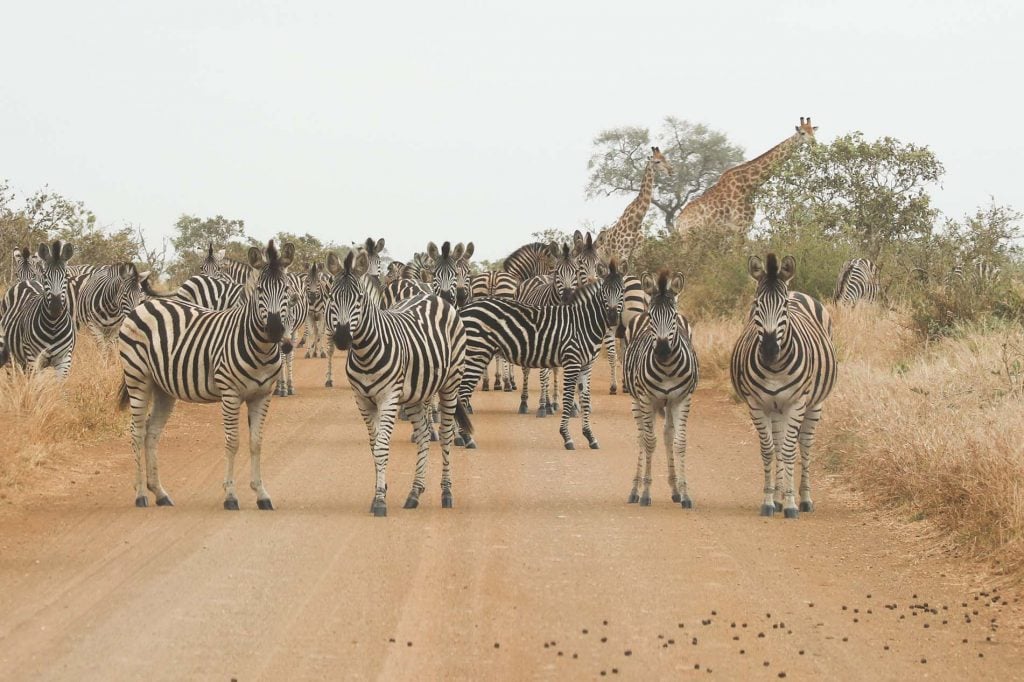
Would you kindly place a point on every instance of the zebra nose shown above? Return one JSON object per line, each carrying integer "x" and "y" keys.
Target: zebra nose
{"x": 769, "y": 348}
{"x": 275, "y": 327}
{"x": 611, "y": 315}
{"x": 286, "y": 346}
{"x": 661, "y": 349}
{"x": 461, "y": 294}
{"x": 566, "y": 295}
{"x": 448, "y": 296}
{"x": 342, "y": 336}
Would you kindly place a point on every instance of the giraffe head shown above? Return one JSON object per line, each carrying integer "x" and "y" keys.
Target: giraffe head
{"x": 805, "y": 131}
{"x": 659, "y": 162}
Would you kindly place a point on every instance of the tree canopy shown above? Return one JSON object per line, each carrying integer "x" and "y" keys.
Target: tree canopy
{"x": 697, "y": 153}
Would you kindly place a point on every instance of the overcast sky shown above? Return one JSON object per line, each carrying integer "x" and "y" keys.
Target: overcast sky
{"x": 459, "y": 120}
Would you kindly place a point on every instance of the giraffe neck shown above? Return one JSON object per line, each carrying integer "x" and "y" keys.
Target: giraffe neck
{"x": 755, "y": 172}
{"x": 628, "y": 227}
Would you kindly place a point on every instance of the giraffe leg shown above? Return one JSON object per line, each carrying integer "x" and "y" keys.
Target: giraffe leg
{"x": 258, "y": 407}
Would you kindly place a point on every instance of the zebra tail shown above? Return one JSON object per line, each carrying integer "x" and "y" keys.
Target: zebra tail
{"x": 462, "y": 419}
{"x": 122, "y": 396}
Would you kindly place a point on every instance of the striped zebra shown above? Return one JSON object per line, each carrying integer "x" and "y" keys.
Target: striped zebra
{"x": 212, "y": 292}
{"x": 566, "y": 336}
{"x": 503, "y": 285}
{"x": 858, "y": 281}
{"x": 171, "y": 350}
{"x": 547, "y": 290}
{"x": 40, "y": 330}
{"x": 220, "y": 265}
{"x": 661, "y": 375}
{"x": 396, "y": 357}
{"x": 101, "y": 300}
{"x": 317, "y": 287}
{"x": 418, "y": 268}
{"x": 5, "y": 355}
{"x": 83, "y": 269}
{"x": 445, "y": 277}
{"x": 529, "y": 260}
{"x": 25, "y": 266}
{"x": 784, "y": 366}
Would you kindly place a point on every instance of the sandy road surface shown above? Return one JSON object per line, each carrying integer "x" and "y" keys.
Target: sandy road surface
{"x": 541, "y": 570}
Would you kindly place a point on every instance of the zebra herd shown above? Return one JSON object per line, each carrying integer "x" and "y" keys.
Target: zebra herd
{"x": 418, "y": 338}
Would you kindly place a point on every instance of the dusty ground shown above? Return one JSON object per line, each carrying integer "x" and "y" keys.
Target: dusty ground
{"x": 541, "y": 570}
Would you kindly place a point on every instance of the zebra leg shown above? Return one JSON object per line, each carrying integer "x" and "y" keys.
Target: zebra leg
{"x": 525, "y": 395}
{"x": 544, "y": 404}
{"x": 807, "y": 429}
{"x": 387, "y": 410}
{"x": 778, "y": 436}
{"x": 139, "y": 402}
{"x": 610, "y": 349}
{"x": 644, "y": 419}
{"x": 290, "y": 384}
{"x": 448, "y": 399}
{"x": 329, "y": 381}
{"x": 230, "y": 406}
{"x": 763, "y": 424}
{"x": 419, "y": 415}
{"x": 510, "y": 375}
{"x": 582, "y": 382}
{"x": 258, "y": 408}
{"x": 486, "y": 385}
{"x": 679, "y": 413}
{"x": 787, "y": 453}
{"x": 161, "y": 406}
{"x": 63, "y": 366}
{"x": 571, "y": 372}
{"x": 668, "y": 436}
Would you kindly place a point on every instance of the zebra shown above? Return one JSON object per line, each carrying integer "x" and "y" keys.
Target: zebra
{"x": 503, "y": 285}
{"x": 295, "y": 319}
{"x": 40, "y": 330}
{"x": 397, "y": 357}
{"x": 212, "y": 292}
{"x": 26, "y": 266}
{"x": 83, "y": 269}
{"x": 529, "y": 260}
{"x": 784, "y": 366}
{"x": 394, "y": 271}
{"x": 172, "y": 350}
{"x": 445, "y": 272}
{"x": 317, "y": 290}
{"x": 566, "y": 336}
{"x": 5, "y": 356}
{"x": 101, "y": 300}
{"x": 858, "y": 281}
{"x": 661, "y": 373}
{"x": 418, "y": 268}
{"x": 217, "y": 264}
{"x": 547, "y": 290}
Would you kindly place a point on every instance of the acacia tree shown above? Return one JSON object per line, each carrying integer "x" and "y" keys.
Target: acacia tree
{"x": 873, "y": 194}
{"x": 697, "y": 153}
{"x": 193, "y": 235}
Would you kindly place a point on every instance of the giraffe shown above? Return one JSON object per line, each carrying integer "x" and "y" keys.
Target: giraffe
{"x": 625, "y": 237}
{"x": 730, "y": 201}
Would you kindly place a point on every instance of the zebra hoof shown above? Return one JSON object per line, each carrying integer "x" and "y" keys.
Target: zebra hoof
{"x": 458, "y": 442}
{"x": 687, "y": 503}
{"x": 569, "y": 445}
{"x": 806, "y": 506}
{"x": 141, "y": 501}
{"x": 164, "y": 501}
{"x": 307, "y": 355}
{"x": 470, "y": 444}
{"x": 778, "y": 506}
{"x": 328, "y": 384}
{"x": 485, "y": 387}
{"x": 433, "y": 436}
{"x": 524, "y": 408}
{"x": 231, "y": 504}
{"x": 446, "y": 500}
{"x": 676, "y": 497}
{"x": 323, "y": 355}
{"x": 411, "y": 502}
{"x": 291, "y": 391}
{"x": 509, "y": 388}
{"x": 793, "y": 513}
{"x": 594, "y": 445}
{"x": 612, "y": 390}
{"x": 633, "y": 498}
{"x": 379, "y": 508}
{"x": 542, "y": 412}
{"x": 768, "y": 510}
{"x": 265, "y": 504}
{"x": 645, "y": 501}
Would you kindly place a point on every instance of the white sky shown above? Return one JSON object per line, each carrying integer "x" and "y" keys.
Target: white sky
{"x": 460, "y": 120}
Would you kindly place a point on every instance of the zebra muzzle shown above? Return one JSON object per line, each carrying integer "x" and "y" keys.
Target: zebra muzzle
{"x": 275, "y": 327}
{"x": 661, "y": 349}
{"x": 342, "y": 336}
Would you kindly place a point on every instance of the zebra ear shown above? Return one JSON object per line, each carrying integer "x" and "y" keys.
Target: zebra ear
{"x": 333, "y": 263}
{"x": 755, "y": 267}
{"x": 379, "y": 246}
{"x": 18, "y": 257}
{"x": 648, "y": 283}
{"x": 287, "y": 255}
{"x": 677, "y": 282}
{"x": 256, "y": 257}
{"x": 458, "y": 251}
{"x": 469, "y": 251}
{"x": 788, "y": 269}
{"x": 361, "y": 264}
{"x": 432, "y": 250}
{"x": 554, "y": 250}
{"x": 43, "y": 251}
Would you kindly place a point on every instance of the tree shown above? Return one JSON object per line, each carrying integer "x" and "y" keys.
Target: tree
{"x": 194, "y": 236}
{"x": 698, "y": 155}
{"x": 873, "y": 194}
{"x": 552, "y": 234}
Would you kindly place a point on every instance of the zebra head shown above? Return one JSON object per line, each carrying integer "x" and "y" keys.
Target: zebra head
{"x": 54, "y": 273}
{"x": 446, "y": 271}
{"x": 770, "y": 314}
{"x": 564, "y": 271}
{"x": 212, "y": 262}
{"x": 463, "y": 285}
{"x": 350, "y": 289}
{"x": 314, "y": 284}
{"x": 373, "y": 249}
{"x": 612, "y": 291}
{"x": 663, "y": 311}
{"x": 268, "y": 291}
{"x": 395, "y": 269}
{"x": 585, "y": 258}
{"x": 130, "y": 290}
{"x": 25, "y": 266}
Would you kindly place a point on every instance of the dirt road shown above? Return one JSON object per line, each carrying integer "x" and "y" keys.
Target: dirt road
{"x": 541, "y": 570}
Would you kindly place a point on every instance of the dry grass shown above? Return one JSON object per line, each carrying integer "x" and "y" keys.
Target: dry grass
{"x": 931, "y": 431}
{"x": 713, "y": 340}
{"x": 46, "y": 421}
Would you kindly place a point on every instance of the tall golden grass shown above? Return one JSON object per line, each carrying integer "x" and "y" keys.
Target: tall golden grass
{"x": 46, "y": 421}
{"x": 929, "y": 430}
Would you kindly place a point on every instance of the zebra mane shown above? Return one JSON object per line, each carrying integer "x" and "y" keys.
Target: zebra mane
{"x": 663, "y": 276}
{"x": 772, "y": 266}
